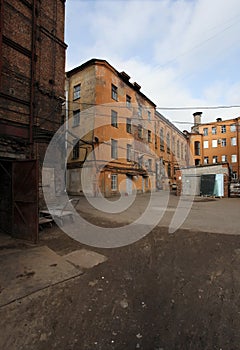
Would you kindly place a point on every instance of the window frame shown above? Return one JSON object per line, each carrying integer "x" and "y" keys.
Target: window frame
{"x": 114, "y": 118}
{"x": 235, "y": 142}
{"x": 114, "y": 92}
{"x": 114, "y": 149}
{"x": 215, "y": 130}
{"x": 149, "y": 136}
{"x": 76, "y": 92}
{"x": 76, "y": 118}
{"x": 114, "y": 182}
{"x": 129, "y": 152}
{"x": 129, "y": 126}
{"x": 75, "y": 151}
{"x": 205, "y": 131}
{"x": 224, "y": 142}
{"x": 128, "y": 101}
{"x": 232, "y": 159}
{"x": 214, "y": 143}
{"x": 223, "y": 129}
{"x": 205, "y": 144}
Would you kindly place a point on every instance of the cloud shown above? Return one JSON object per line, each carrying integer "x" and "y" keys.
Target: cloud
{"x": 182, "y": 53}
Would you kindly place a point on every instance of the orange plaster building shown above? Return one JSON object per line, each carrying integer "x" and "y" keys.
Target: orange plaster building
{"x": 118, "y": 142}
{"x": 215, "y": 143}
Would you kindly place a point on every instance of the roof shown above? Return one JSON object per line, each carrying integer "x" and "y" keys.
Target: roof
{"x": 123, "y": 76}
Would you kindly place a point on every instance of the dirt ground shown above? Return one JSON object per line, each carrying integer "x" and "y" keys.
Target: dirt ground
{"x": 166, "y": 292}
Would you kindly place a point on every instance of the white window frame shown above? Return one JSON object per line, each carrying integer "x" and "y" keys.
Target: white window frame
{"x": 205, "y": 144}
{"x": 224, "y": 158}
{"x": 233, "y": 128}
{"x": 214, "y": 128}
{"x": 233, "y": 141}
{"x": 206, "y": 160}
{"x": 214, "y": 143}
{"x": 215, "y": 159}
{"x": 223, "y": 129}
{"x": 233, "y": 158}
{"x": 114, "y": 182}
{"x": 224, "y": 142}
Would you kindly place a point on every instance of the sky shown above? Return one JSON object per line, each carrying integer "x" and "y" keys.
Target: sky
{"x": 183, "y": 53}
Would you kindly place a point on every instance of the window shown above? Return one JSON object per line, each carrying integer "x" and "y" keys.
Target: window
{"x": 168, "y": 142}
{"x": 169, "y": 170}
{"x": 128, "y": 101}
{"x": 205, "y": 131}
{"x": 76, "y": 118}
{"x": 214, "y": 143}
{"x": 214, "y": 130}
{"x": 140, "y": 160}
{"x": 76, "y": 91}
{"x": 224, "y": 158}
{"x": 149, "y": 136}
{"x": 234, "y": 175}
{"x": 149, "y": 164}
{"x": 233, "y": 127}
{"x": 223, "y": 129}
{"x": 149, "y": 116}
{"x": 114, "y": 92}
{"x": 114, "y": 184}
{"x": 206, "y": 160}
{"x": 234, "y": 158}
{"x": 161, "y": 139}
{"x": 205, "y": 144}
{"x": 215, "y": 159}
{"x": 114, "y": 118}
{"x": 181, "y": 150}
{"x": 140, "y": 111}
{"x": 140, "y": 131}
{"x": 224, "y": 142}
{"x": 75, "y": 154}
{"x": 129, "y": 153}
{"x": 197, "y": 148}
{"x": 197, "y": 162}
{"x": 114, "y": 149}
{"x": 129, "y": 126}
{"x": 178, "y": 149}
{"x": 233, "y": 141}
{"x": 173, "y": 144}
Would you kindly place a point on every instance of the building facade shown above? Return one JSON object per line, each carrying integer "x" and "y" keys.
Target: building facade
{"x": 117, "y": 141}
{"x": 32, "y": 65}
{"x": 215, "y": 143}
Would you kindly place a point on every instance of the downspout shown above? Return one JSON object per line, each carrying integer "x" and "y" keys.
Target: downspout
{"x": 238, "y": 148}
{"x": 33, "y": 73}
{"x": 66, "y": 126}
{"x": 1, "y": 34}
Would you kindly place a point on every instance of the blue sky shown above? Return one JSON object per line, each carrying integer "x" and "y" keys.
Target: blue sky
{"x": 182, "y": 52}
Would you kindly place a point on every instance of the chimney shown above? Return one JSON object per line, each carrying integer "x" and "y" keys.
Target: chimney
{"x": 197, "y": 118}
{"x": 219, "y": 120}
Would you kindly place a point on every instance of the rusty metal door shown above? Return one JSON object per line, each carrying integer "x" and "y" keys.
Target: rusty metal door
{"x": 25, "y": 200}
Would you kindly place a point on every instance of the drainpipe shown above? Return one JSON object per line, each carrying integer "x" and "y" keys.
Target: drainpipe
{"x": 33, "y": 72}
{"x": 238, "y": 147}
{"x": 66, "y": 127}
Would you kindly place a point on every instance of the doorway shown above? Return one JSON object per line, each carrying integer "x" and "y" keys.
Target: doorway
{"x": 19, "y": 198}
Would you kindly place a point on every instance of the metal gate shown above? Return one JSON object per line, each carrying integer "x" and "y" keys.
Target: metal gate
{"x": 25, "y": 200}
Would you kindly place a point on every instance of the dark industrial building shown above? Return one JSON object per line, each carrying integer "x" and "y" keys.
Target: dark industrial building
{"x": 32, "y": 65}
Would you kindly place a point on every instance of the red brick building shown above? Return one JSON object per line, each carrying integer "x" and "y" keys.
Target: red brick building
{"x": 32, "y": 64}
